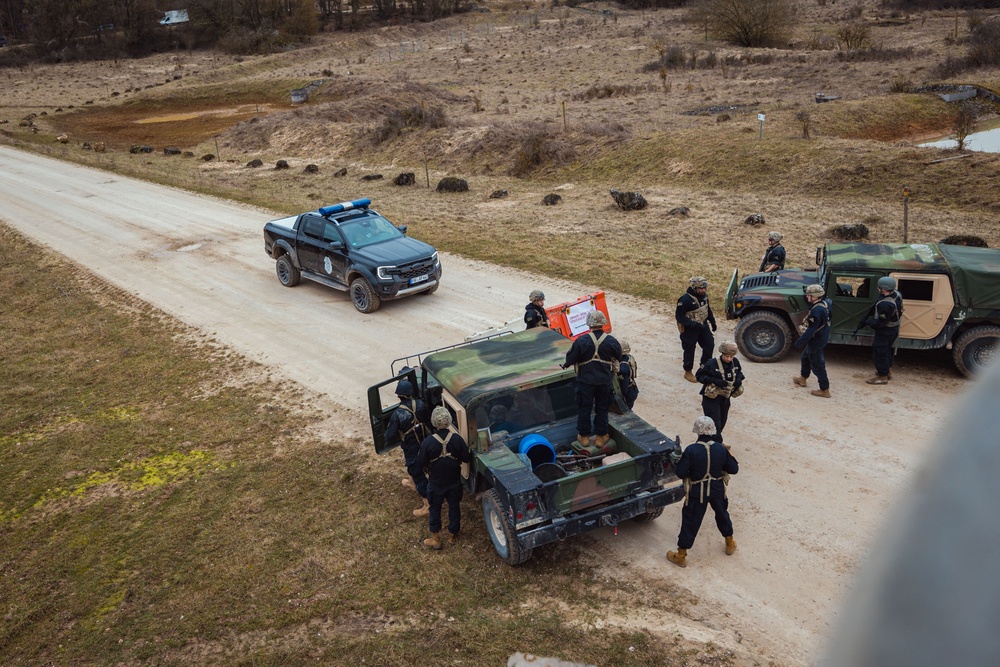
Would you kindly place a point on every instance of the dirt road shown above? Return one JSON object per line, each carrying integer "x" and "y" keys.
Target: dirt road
{"x": 817, "y": 474}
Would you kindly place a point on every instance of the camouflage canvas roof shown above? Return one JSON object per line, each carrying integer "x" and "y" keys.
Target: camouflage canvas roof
{"x": 887, "y": 256}
{"x": 517, "y": 359}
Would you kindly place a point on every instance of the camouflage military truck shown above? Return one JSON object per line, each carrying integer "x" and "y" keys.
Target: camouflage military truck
{"x": 951, "y": 298}
{"x": 536, "y": 488}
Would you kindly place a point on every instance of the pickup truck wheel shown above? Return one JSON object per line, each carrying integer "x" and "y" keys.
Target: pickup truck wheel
{"x": 501, "y": 532}
{"x": 364, "y": 297}
{"x": 646, "y": 517}
{"x": 976, "y": 349}
{"x": 763, "y": 336}
{"x": 288, "y": 275}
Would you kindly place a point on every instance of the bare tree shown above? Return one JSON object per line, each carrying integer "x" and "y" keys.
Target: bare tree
{"x": 747, "y": 22}
{"x": 965, "y": 124}
{"x": 854, "y": 36}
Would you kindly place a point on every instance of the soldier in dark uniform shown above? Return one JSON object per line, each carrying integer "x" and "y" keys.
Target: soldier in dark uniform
{"x": 774, "y": 256}
{"x": 442, "y": 454}
{"x": 627, "y": 370}
{"x": 593, "y": 355}
{"x": 723, "y": 380}
{"x": 814, "y": 335}
{"x": 534, "y": 312}
{"x": 694, "y": 316}
{"x": 408, "y": 423}
{"x": 884, "y": 318}
{"x": 705, "y": 467}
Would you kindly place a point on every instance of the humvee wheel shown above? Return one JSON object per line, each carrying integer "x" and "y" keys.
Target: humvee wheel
{"x": 976, "y": 349}
{"x": 288, "y": 275}
{"x": 646, "y": 517}
{"x": 763, "y": 336}
{"x": 363, "y": 296}
{"x": 501, "y": 532}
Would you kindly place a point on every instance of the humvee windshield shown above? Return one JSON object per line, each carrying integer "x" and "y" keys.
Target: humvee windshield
{"x": 528, "y": 409}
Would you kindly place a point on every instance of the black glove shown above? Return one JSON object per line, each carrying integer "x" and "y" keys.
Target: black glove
{"x": 714, "y": 328}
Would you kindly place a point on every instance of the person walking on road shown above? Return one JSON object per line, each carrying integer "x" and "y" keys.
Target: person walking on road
{"x": 774, "y": 256}
{"x": 722, "y": 378}
{"x": 815, "y": 334}
{"x": 442, "y": 454}
{"x": 694, "y": 317}
{"x": 705, "y": 467}
{"x": 408, "y": 423}
{"x": 884, "y": 317}
{"x": 534, "y": 312}
{"x": 595, "y": 355}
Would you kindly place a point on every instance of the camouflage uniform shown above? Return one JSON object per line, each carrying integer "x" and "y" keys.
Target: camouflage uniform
{"x": 594, "y": 391}
{"x": 694, "y": 316}
{"x": 727, "y": 377}
{"x": 444, "y": 470}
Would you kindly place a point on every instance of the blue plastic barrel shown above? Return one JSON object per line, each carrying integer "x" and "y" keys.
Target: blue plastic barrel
{"x": 537, "y": 449}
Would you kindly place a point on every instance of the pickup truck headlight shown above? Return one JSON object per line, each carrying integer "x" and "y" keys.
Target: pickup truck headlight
{"x": 435, "y": 259}
{"x": 383, "y": 272}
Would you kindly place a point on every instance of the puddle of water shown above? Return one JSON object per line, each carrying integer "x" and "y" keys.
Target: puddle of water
{"x": 986, "y": 139}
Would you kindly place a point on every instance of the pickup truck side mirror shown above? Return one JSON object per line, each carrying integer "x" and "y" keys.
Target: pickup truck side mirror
{"x": 401, "y": 228}
{"x": 336, "y": 245}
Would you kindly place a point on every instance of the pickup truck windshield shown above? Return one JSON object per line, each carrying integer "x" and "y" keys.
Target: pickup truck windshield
{"x": 369, "y": 231}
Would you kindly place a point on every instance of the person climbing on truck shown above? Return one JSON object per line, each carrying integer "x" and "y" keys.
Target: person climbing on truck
{"x": 627, "y": 371}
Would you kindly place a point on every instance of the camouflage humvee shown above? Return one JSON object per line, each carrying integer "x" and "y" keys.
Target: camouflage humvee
{"x": 951, "y": 298}
{"x": 536, "y": 488}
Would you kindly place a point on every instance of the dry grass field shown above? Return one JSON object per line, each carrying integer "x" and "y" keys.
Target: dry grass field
{"x": 535, "y": 99}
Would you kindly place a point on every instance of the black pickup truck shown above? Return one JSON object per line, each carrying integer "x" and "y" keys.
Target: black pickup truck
{"x": 350, "y": 247}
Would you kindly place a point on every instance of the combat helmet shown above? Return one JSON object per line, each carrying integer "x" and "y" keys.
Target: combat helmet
{"x": 536, "y": 295}
{"x": 699, "y": 282}
{"x": 596, "y": 319}
{"x": 440, "y": 418}
{"x": 886, "y": 283}
{"x": 815, "y": 290}
{"x": 728, "y": 347}
{"x": 404, "y": 388}
{"x": 626, "y": 348}
{"x": 704, "y": 426}
{"x": 774, "y": 236}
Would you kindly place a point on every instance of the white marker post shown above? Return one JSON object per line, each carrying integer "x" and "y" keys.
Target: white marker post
{"x": 760, "y": 117}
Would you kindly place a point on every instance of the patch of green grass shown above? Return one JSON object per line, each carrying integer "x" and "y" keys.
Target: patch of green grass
{"x": 155, "y": 508}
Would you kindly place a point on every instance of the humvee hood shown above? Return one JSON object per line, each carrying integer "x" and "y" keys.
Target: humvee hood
{"x": 516, "y": 359}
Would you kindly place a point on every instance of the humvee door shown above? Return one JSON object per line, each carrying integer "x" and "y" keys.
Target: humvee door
{"x": 382, "y": 402}
{"x": 852, "y": 293}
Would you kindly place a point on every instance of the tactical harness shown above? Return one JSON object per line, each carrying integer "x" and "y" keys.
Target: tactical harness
{"x": 699, "y": 315}
{"x": 464, "y": 466}
{"x": 635, "y": 370}
{"x": 707, "y": 479}
{"x": 417, "y": 427}
{"x": 805, "y": 324}
{"x": 890, "y": 298}
{"x": 613, "y": 365}
{"x": 713, "y": 391}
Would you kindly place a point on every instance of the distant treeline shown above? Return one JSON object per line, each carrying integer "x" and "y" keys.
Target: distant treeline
{"x": 75, "y": 29}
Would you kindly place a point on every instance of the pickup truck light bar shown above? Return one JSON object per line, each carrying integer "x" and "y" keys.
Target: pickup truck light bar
{"x": 344, "y": 206}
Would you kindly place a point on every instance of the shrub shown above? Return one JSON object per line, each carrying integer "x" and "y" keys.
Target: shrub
{"x": 750, "y": 23}
{"x": 854, "y": 35}
{"x": 984, "y": 44}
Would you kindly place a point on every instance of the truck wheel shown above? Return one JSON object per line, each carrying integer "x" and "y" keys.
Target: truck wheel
{"x": 501, "y": 532}
{"x": 763, "y": 336}
{"x": 288, "y": 275}
{"x": 976, "y": 349}
{"x": 364, "y": 297}
{"x": 646, "y": 517}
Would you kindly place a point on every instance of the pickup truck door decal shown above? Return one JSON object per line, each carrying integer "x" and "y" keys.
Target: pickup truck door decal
{"x": 321, "y": 248}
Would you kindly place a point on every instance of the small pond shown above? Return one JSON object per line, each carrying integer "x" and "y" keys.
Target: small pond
{"x": 986, "y": 139}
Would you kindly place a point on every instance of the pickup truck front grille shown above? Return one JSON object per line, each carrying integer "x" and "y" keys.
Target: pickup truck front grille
{"x": 759, "y": 281}
{"x": 407, "y": 271}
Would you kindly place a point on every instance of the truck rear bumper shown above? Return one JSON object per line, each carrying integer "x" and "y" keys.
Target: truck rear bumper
{"x": 605, "y": 516}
